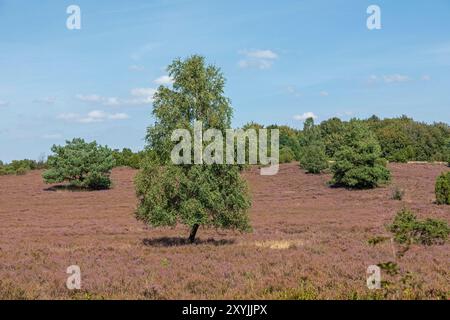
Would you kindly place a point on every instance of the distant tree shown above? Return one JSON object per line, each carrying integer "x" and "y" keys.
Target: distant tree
{"x": 313, "y": 158}
{"x": 443, "y": 189}
{"x": 193, "y": 195}
{"x": 84, "y": 165}
{"x": 286, "y": 155}
{"x": 358, "y": 163}
{"x": 333, "y": 135}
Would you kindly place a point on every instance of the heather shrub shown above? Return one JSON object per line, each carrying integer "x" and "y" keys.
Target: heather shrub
{"x": 358, "y": 163}
{"x": 443, "y": 189}
{"x": 407, "y": 229}
{"x": 84, "y": 165}
{"x": 398, "y": 194}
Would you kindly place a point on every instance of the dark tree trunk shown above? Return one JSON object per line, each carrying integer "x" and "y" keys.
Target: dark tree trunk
{"x": 193, "y": 233}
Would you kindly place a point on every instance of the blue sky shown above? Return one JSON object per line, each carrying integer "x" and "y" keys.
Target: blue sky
{"x": 282, "y": 60}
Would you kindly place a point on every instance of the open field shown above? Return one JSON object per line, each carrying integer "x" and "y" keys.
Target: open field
{"x": 309, "y": 241}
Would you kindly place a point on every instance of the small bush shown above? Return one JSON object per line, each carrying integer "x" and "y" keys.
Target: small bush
{"x": 83, "y": 165}
{"x": 398, "y": 194}
{"x": 443, "y": 189}
{"x": 314, "y": 159}
{"x": 21, "y": 171}
{"x": 358, "y": 162}
{"x": 286, "y": 155}
{"x": 407, "y": 229}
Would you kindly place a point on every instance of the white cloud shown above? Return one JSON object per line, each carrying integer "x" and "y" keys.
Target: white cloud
{"x": 139, "y": 96}
{"x": 136, "y": 68}
{"x": 306, "y": 115}
{"x": 144, "y": 50}
{"x": 396, "y": 78}
{"x": 324, "y": 93}
{"x": 164, "y": 80}
{"x": 46, "y": 100}
{"x": 261, "y": 54}
{"x": 4, "y": 103}
{"x": 260, "y": 59}
{"x": 426, "y": 77}
{"x": 92, "y": 117}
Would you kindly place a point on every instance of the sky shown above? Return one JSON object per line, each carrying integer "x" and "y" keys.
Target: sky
{"x": 283, "y": 61}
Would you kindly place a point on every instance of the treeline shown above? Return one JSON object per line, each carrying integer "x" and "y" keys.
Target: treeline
{"x": 401, "y": 139}
{"x": 20, "y": 167}
{"x": 122, "y": 158}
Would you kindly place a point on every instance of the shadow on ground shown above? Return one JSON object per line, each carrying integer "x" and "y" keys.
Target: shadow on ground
{"x": 68, "y": 188}
{"x": 178, "y": 242}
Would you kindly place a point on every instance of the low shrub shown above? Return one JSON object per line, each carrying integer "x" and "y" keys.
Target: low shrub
{"x": 443, "y": 189}
{"x": 83, "y": 165}
{"x": 314, "y": 159}
{"x": 398, "y": 194}
{"x": 286, "y": 155}
{"x": 407, "y": 229}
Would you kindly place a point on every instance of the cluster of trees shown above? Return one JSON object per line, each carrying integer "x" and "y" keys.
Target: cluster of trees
{"x": 20, "y": 167}
{"x": 128, "y": 158}
{"x": 401, "y": 139}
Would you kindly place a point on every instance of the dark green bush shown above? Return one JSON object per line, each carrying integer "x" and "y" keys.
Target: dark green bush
{"x": 286, "y": 155}
{"x": 358, "y": 163}
{"x": 443, "y": 189}
{"x": 407, "y": 229}
{"x": 83, "y": 165}
{"x": 313, "y": 156}
{"x": 314, "y": 159}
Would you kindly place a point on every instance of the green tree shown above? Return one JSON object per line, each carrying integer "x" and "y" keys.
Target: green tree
{"x": 313, "y": 158}
{"x": 193, "y": 195}
{"x": 443, "y": 188}
{"x": 84, "y": 165}
{"x": 358, "y": 163}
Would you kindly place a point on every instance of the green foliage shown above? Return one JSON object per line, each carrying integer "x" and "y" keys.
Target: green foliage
{"x": 332, "y": 131}
{"x": 403, "y": 139}
{"x": 376, "y": 240}
{"x": 443, "y": 189}
{"x": 358, "y": 163}
{"x": 128, "y": 158}
{"x": 193, "y": 195}
{"x": 390, "y": 267}
{"x": 313, "y": 157}
{"x": 20, "y": 167}
{"x": 84, "y": 165}
{"x": 407, "y": 229}
{"x": 286, "y": 155}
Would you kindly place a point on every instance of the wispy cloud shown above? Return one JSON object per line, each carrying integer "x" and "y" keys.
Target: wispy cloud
{"x": 139, "y": 96}
{"x": 260, "y": 59}
{"x": 389, "y": 79}
{"x": 92, "y": 117}
{"x": 324, "y": 93}
{"x": 306, "y": 115}
{"x": 136, "y": 68}
{"x": 46, "y": 100}
{"x": 144, "y": 50}
{"x": 4, "y": 103}
{"x": 164, "y": 80}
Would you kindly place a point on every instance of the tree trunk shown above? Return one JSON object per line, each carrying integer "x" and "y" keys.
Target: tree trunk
{"x": 193, "y": 233}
